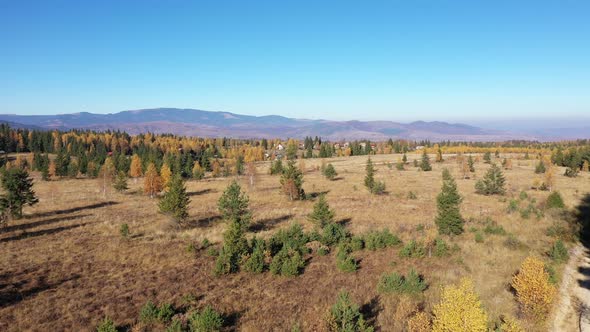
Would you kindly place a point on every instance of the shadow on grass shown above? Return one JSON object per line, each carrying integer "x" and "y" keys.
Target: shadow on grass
{"x": 269, "y": 223}
{"x": 15, "y": 294}
{"x": 200, "y": 192}
{"x": 202, "y": 222}
{"x": 71, "y": 210}
{"x": 50, "y": 221}
{"x": 27, "y": 235}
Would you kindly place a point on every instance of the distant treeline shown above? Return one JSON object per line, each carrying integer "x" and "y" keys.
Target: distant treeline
{"x": 85, "y": 151}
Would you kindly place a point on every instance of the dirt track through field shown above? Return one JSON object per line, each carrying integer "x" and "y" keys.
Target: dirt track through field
{"x": 573, "y": 304}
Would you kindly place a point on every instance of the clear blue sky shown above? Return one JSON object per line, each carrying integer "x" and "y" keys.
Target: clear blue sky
{"x": 390, "y": 60}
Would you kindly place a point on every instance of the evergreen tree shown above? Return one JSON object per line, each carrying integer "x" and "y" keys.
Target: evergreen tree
{"x": 370, "y": 176}
{"x": 166, "y": 175}
{"x": 449, "y": 220}
{"x": 404, "y": 158}
{"x": 487, "y": 157}
{"x": 321, "y": 215}
{"x": 492, "y": 182}
{"x": 345, "y": 316}
{"x": 234, "y": 247}
{"x": 540, "y": 168}
{"x": 292, "y": 182}
{"x": 276, "y": 167}
{"x": 120, "y": 183}
{"x": 330, "y": 172}
{"x": 175, "y": 201}
{"x": 471, "y": 164}
{"x": 425, "y": 163}
{"x": 18, "y": 192}
{"x": 233, "y": 205}
{"x": 62, "y": 161}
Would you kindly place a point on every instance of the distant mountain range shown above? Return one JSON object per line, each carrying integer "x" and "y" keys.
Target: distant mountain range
{"x": 192, "y": 122}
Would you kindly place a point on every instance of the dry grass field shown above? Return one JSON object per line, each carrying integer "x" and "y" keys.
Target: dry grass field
{"x": 65, "y": 266}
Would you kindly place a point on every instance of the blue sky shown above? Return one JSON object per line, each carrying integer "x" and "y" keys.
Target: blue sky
{"x": 367, "y": 60}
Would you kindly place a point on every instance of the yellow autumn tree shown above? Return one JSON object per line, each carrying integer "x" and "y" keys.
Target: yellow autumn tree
{"x": 534, "y": 292}
{"x": 165, "y": 174}
{"x": 152, "y": 183}
{"x": 135, "y": 169}
{"x": 198, "y": 171}
{"x": 459, "y": 310}
{"x": 510, "y": 324}
{"x": 420, "y": 322}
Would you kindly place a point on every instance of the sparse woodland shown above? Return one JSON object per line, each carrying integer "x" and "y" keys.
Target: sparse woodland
{"x": 105, "y": 231}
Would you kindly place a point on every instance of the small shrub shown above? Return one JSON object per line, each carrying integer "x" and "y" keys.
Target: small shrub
{"x": 212, "y": 252}
{"x": 512, "y": 242}
{"x": 554, "y": 201}
{"x": 333, "y": 233}
{"x": 390, "y": 283}
{"x": 255, "y": 263}
{"x": 380, "y": 239}
{"x": 344, "y": 261}
{"x": 175, "y": 326}
{"x": 106, "y": 325}
{"x": 558, "y": 252}
{"x": 495, "y": 229}
{"x": 378, "y": 188}
{"x": 413, "y": 283}
{"x": 323, "y": 251}
{"x": 479, "y": 237}
{"x": 208, "y": 320}
{"x": 512, "y": 206}
{"x": 330, "y": 172}
{"x": 441, "y": 248}
{"x": 413, "y": 250}
{"x": 124, "y": 230}
{"x": 148, "y": 313}
{"x": 205, "y": 244}
{"x": 523, "y": 195}
{"x": 357, "y": 243}
{"x": 165, "y": 312}
{"x": 287, "y": 263}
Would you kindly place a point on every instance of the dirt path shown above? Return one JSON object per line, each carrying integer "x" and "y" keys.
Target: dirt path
{"x": 574, "y": 294}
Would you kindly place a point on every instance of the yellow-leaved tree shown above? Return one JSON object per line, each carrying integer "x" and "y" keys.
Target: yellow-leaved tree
{"x": 152, "y": 183}
{"x": 135, "y": 170}
{"x": 166, "y": 175}
{"x": 534, "y": 292}
{"x": 459, "y": 310}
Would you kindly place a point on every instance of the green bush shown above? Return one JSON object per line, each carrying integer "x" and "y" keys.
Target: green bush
{"x": 492, "y": 182}
{"x": 380, "y": 239}
{"x": 478, "y": 237}
{"x": 333, "y": 233}
{"x": 148, "y": 313}
{"x": 512, "y": 206}
{"x": 208, "y": 320}
{"x": 255, "y": 262}
{"x": 512, "y": 242}
{"x": 124, "y": 230}
{"x": 175, "y": 326}
{"x": 344, "y": 261}
{"x": 323, "y": 251}
{"x": 106, "y": 325}
{"x": 554, "y": 201}
{"x": 413, "y": 249}
{"x": 330, "y": 172}
{"x": 165, "y": 312}
{"x": 495, "y": 229}
{"x": 276, "y": 167}
{"x": 558, "y": 252}
{"x": 345, "y": 316}
{"x": 411, "y": 195}
{"x": 441, "y": 248}
{"x": 291, "y": 238}
{"x": 287, "y": 263}
{"x": 378, "y": 188}
{"x": 322, "y": 214}
{"x": 396, "y": 283}
{"x": 357, "y": 243}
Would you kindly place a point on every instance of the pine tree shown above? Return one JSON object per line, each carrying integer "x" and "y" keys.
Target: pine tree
{"x": 62, "y": 161}
{"x": 152, "y": 183}
{"x": 292, "y": 181}
{"x": 404, "y": 158}
{"x": 425, "y": 163}
{"x": 492, "y": 182}
{"x": 175, "y": 201}
{"x": 330, "y": 172}
{"x": 18, "y": 192}
{"x": 234, "y": 205}
{"x": 487, "y": 157}
{"x": 321, "y": 215}
{"x": 120, "y": 183}
{"x": 370, "y": 176}
{"x": 234, "y": 247}
{"x": 540, "y": 168}
{"x": 345, "y": 316}
{"x": 449, "y": 220}
{"x": 471, "y": 164}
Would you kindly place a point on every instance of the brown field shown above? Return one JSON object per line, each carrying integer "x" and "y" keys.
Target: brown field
{"x": 64, "y": 266}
